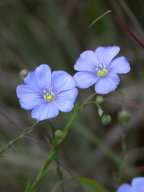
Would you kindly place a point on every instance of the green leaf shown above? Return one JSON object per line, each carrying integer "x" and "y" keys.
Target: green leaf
{"x": 92, "y": 184}
{"x": 28, "y": 186}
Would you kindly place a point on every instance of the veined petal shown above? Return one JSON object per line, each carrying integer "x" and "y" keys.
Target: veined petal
{"x": 30, "y": 79}
{"x": 85, "y": 79}
{"x": 107, "y": 83}
{"x": 138, "y": 184}
{"x": 86, "y": 62}
{"x": 47, "y": 110}
{"x": 29, "y": 97}
{"x": 119, "y": 65}
{"x": 65, "y": 100}
{"x": 40, "y": 77}
{"x": 125, "y": 188}
{"x": 106, "y": 54}
{"x": 62, "y": 81}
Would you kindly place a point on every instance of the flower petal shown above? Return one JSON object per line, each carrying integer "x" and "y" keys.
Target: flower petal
{"x": 106, "y": 54}
{"x": 85, "y": 79}
{"x": 138, "y": 184}
{"x": 107, "y": 83}
{"x": 65, "y": 100}
{"x": 86, "y": 62}
{"x": 125, "y": 188}
{"x": 29, "y": 97}
{"x": 40, "y": 77}
{"x": 120, "y": 65}
{"x": 47, "y": 110}
{"x": 62, "y": 81}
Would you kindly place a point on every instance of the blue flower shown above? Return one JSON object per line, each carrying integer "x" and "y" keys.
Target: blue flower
{"x": 47, "y": 93}
{"x": 98, "y": 67}
{"x": 137, "y": 185}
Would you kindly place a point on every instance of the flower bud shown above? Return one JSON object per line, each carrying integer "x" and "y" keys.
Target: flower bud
{"x": 23, "y": 73}
{"x": 124, "y": 116}
{"x": 58, "y": 134}
{"x": 99, "y": 99}
{"x": 106, "y": 119}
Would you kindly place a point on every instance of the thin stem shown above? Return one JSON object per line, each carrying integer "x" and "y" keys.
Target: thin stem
{"x": 72, "y": 175}
{"x": 128, "y": 31}
{"x": 123, "y": 146}
{"x": 107, "y": 150}
{"x": 57, "y": 143}
{"x": 132, "y": 17}
{"x": 60, "y": 174}
{"x": 123, "y": 140}
{"x": 14, "y": 141}
{"x": 98, "y": 18}
{"x": 62, "y": 182}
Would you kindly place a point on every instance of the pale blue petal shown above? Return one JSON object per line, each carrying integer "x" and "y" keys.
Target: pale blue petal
{"x": 107, "y": 83}
{"x": 125, "y": 188}
{"x": 119, "y": 65}
{"x": 46, "y": 110}
{"x": 85, "y": 79}
{"x": 29, "y": 97}
{"x": 65, "y": 100}
{"x": 30, "y": 79}
{"x": 138, "y": 184}
{"x": 86, "y": 62}
{"x": 40, "y": 77}
{"x": 106, "y": 54}
{"x": 62, "y": 81}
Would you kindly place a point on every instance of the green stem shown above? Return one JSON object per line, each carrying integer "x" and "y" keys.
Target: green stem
{"x": 14, "y": 141}
{"x": 123, "y": 139}
{"x": 57, "y": 143}
{"x": 60, "y": 174}
{"x": 108, "y": 151}
{"x": 123, "y": 146}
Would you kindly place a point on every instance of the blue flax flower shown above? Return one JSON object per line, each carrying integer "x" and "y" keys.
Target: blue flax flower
{"x": 47, "y": 93}
{"x": 137, "y": 185}
{"x": 98, "y": 67}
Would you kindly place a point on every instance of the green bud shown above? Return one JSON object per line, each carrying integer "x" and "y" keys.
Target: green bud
{"x": 124, "y": 116}
{"x": 99, "y": 99}
{"x": 58, "y": 134}
{"x": 106, "y": 120}
{"x": 23, "y": 73}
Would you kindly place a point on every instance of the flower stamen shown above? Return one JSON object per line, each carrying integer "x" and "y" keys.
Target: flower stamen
{"x": 101, "y": 70}
{"x": 48, "y": 95}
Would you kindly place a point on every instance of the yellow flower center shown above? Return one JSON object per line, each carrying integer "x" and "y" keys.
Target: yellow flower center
{"x": 49, "y": 97}
{"x": 48, "y": 94}
{"x": 102, "y": 72}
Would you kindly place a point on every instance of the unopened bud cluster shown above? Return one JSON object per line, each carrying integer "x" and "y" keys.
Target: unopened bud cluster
{"x": 23, "y": 73}
{"x": 124, "y": 116}
{"x": 106, "y": 119}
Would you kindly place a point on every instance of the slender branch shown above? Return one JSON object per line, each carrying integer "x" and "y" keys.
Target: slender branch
{"x": 57, "y": 142}
{"x": 60, "y": 174}
{"x": 132, "y": 17}
{"x": 128, "y": 31}
{"x": 98, "y": 18}
{"x": 62, "y": 182}
{"x": 14, "y": 141}
{"x": 123, "y": 147}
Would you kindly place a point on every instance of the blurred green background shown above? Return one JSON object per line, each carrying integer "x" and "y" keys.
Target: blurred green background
{"x": 55, "y": 32}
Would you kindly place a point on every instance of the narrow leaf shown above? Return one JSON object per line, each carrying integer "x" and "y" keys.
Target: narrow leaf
{"x": 92, "y": 184}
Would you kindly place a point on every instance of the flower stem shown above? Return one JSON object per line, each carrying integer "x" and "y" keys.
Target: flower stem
{"x": 60, "y": 174}
{"x": 128, "y": 31}
{"x": 123, "y": 147}
{"x": 14, "y": 141}
{"x": 57, "y": 142}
